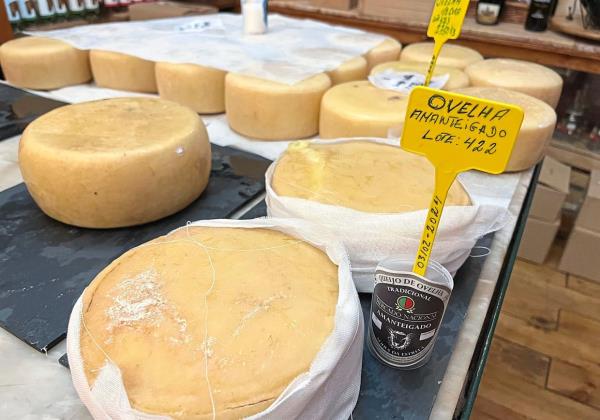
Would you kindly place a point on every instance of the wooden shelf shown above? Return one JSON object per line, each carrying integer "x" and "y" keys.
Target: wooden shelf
{"x": 502, "y": 40}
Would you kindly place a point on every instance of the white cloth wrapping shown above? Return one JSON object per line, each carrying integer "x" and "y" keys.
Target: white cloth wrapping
{"x": 372, "y": 237}
{"x": 329, "y": 390}
{"x": 292, "y": 49}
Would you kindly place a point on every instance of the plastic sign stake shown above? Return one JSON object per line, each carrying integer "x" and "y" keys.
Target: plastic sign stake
{"x": 456, "y": 133}
{"x": 446, "y": 22}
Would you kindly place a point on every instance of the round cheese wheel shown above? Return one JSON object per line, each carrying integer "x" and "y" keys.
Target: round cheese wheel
{"x": 122, "y": 72}
{"x": 43, "y": 63}
{"x": 536, "y": 130}
{"x": 451, "y": 55}
{"x": 116, "y": 162}
{"x": 198, "y": 87}
{"x": 458, "y": 79}
{"x": 268, "y": 110}
{"x": 209, "y": 322}
{"x": 359, "y": 109}
{"x": 522, "y": 76}
{"x": 388, "y": 50}
{"x": 361, "y": 175}
{"x": 349, "y": 71}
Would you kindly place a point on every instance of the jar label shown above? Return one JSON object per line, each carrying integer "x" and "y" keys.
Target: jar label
{"x": 406, "y": 312}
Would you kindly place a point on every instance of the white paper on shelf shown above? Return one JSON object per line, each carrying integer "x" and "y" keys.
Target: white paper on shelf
{"x": 292, "y": 49}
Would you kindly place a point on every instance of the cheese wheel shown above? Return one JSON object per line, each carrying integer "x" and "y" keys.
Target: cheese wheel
{"x": 451, "y": 55}
{"x": 43, "y": 63}
{"x": 361, "y": 175}
{"x": 388, "y": 50}
{"x": 268, "y": 110}
{"x": 359, "y": 109}
{"x": 522, "y": 76}
{"x": 116, "y": 162}
{"x": 458, "y": 79}
{"x": 228, "y": 314}
{"x": 349, "y": 71}
{"x": 197, "y": 87}
{"x": 122, "y": 72}
{"x": 536, "y": 130}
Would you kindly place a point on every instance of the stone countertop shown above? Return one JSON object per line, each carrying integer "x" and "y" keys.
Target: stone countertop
{"x": 36, "y": 386}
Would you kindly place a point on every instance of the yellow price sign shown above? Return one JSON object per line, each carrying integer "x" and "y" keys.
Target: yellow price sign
{"x": 445, "y": 23}
{"x": 456, "y": 133}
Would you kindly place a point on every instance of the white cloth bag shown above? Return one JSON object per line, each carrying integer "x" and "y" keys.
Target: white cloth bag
{"x": 329, "y": 390}
{"x": 372, "y": 237}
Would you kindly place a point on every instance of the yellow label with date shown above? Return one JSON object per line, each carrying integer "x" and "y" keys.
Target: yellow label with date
{"x": 445, "y": 23}
{"x": 447, "y": 18}
{"x": 456, "y": 133}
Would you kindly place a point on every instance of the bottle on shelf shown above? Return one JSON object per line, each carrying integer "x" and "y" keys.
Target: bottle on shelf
{"x": 538, "y": 15}
{"x": 12, "y": 12}
{"x": 488, "y": 11}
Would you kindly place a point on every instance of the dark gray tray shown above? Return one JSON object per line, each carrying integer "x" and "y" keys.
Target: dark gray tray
{"x": 45, "y": 265}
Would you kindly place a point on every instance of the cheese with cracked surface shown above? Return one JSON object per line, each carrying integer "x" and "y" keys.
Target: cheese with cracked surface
{"x": 183, "y": 334}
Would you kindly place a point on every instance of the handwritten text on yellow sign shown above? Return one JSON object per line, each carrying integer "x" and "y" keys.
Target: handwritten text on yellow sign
{"x": 456, "y": 133}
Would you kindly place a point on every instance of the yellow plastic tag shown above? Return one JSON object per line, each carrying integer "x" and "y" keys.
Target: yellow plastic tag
{"x": 445, "y": 23}
{"x": 456, "y": 133}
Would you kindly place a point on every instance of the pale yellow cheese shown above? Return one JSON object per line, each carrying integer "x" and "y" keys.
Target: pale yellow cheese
{"x": 183, "y": 334}
{"x": 267, "y": 110}
{"x": 122, "y": 72}
{"x": 43, "y": 63}
{"x": 521, "y": 76}
{"x": 388, "y": 50}
{"x": 451, "y": 56}
{"x": 116, "y": 162}
{"x": 536, "y": 130}
{"x": 349, "y": 71}
{"x": 360, "y": 175}
{"x": 359, "y": 109}
{"x": 197, "y": 87}
{"x": 458, "y": 78}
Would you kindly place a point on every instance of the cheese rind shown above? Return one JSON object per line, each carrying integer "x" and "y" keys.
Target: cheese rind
{"x": 122, "y": 72}
{"x": 197, "y": 87}
{"x": 43, "y": 63}
{"x": 359, "y": 109}
{"x": 349, "y": 71}
{"x": 458, "y": 79}
{"x": 209, "y": 313}
{"x": 388, "y": 50}
{"x": 268, "y": 110}
{"x": 361, "y": 175}
{"x": 522, "y": 76}
{"x": 451, "y": 55}
{"x": 117, "y": 162}
{"x": 536, "y": 130}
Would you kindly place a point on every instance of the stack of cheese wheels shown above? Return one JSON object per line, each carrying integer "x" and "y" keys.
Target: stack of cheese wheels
{"x": 457, "y": 78}
{"x": 116, "y": 162}
{"x": 349, "y": 71}
{"x": 536, "y": 130}
{"x": 361, "y": 175}
{"x": 521, "y": 76}
{"x": 217, "y": 320}
{"x": 123, "y": 72}
{"x": 359, "y": 109}
{"x": 388, "y": 50}
{"x": 450, "y": 56}
{"x": 198, "y": 87}
{"x": 268, "y": 110}
{"x": 43, "y": 63}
